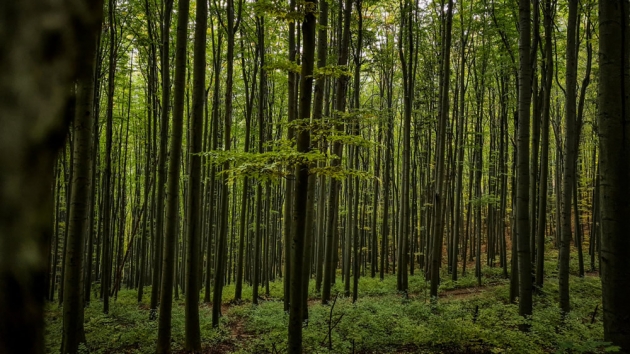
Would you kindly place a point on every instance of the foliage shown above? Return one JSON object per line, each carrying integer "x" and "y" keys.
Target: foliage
{"x": 127, "y": 328}
{"x": 382, "y": 320}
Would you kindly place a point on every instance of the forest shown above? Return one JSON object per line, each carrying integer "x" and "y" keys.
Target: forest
{"x": 314, "y": 176}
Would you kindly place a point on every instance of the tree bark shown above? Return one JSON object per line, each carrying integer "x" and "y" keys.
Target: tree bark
{"x": 568, "y": 174}
{"x": 73, "y": 297}
{"x": 522, "y": 167}
{"x": 614, "y": 145}
{"x": 172, "y": 195}
{"x": 302, "y": 183}
{"x": 193, "y": 232}
{"x": 163, "y": 153}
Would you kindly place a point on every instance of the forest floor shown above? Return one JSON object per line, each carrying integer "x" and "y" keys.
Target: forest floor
{"x": 466, "y": 319}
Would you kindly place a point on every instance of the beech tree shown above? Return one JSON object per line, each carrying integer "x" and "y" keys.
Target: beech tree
{"x": 614, "y": 53}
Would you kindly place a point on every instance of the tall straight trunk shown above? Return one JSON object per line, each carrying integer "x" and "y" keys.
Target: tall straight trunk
{"x": 350, "y": 217}
{"x": 172, "y": 202}
{"x": 163, "y": 153}
{"x": 302, "y": 185}
{"x": 477, "y": 181}
{"x": 107, "y": 198}
{"x": 614, "y": 147}
{"x": 457, "y": 225}
{"x": 568, "y": 174}
{"x": 387, "y": 177}
{"x": 535, "y": 133}
{"x": 147, "y": 222}
{"x": 522, "y": 163}
{"x": 231, "y": 27}
{"x": 243, "y": 229}
{"x": 193, "y": 232}
{"x": 544, "y": 154}
{"x": 93, "y": 231}
{"x": 337, "y": 150}
{"x": 289, "y": 184}
{"x": 261, "y": 140}
{"x": 73, "y": 297}
{"x": 406, "y": 59}
{"x": 318, "y": 107}
{"x": 514, "y": 273}
{"x": 356, "y": 131}
{"x": 214, "y": 143}
{"x": 439, "y": 194}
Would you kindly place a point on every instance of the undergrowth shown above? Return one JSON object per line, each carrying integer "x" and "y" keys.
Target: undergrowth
{"x": 381, "y": 321}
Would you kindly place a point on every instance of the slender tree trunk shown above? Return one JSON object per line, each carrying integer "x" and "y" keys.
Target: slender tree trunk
{"x": 172, "y": 202}
{"x": 522, "y": 167}
{"x": 289, "y": 184}
{"x": 107, "y": 238}
{"x": 337, "y": 150}
{"x": 163, "y": 153}
{"x": 544, "y": 154}
{"x": 440, "y": 196}
{"x": 302, "y": 184}
{"x": 214, "y": 144}
{"x": 568, "y": 175}
{"x": 231, "y": 27}
{"x": 261, "y": 139}
{"x": 318, "y": 106}
{"x": 193, "y": 233}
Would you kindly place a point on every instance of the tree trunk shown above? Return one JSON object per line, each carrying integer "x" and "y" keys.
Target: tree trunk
{"x": 337, "y": 150}
{"x": 163, "y": 153}
{"x": 544, "y": 154}
{"x": 522, "y": 164}
{"x": 614, "y": 145}
{"x": 440, "y": 196}
{"x": 231, "y": 28}
{"x": 174, "y": 166}
{"x": 568, "y": 175}
{"x": 73, "y": 298}
{"x": 193, "y": 232}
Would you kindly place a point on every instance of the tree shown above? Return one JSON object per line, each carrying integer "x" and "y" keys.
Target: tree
{"x": 441, "y": 164}
{"x": 522, "y": 163}
{"x": 107, "y": 173}
{"x": 544, "y": 154}
{"x": 231, "y": 27}
{"x": 163, "y": 154}
{"x": 570, "y": 157}
{"x": 614, "y": 147}
{"x": 302, "y": 182}
{"x": 73, "y": 298}
{"x": 193, "y": 252}
{"x": 172, "y": 195}
{"x": 337, "y": 150}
